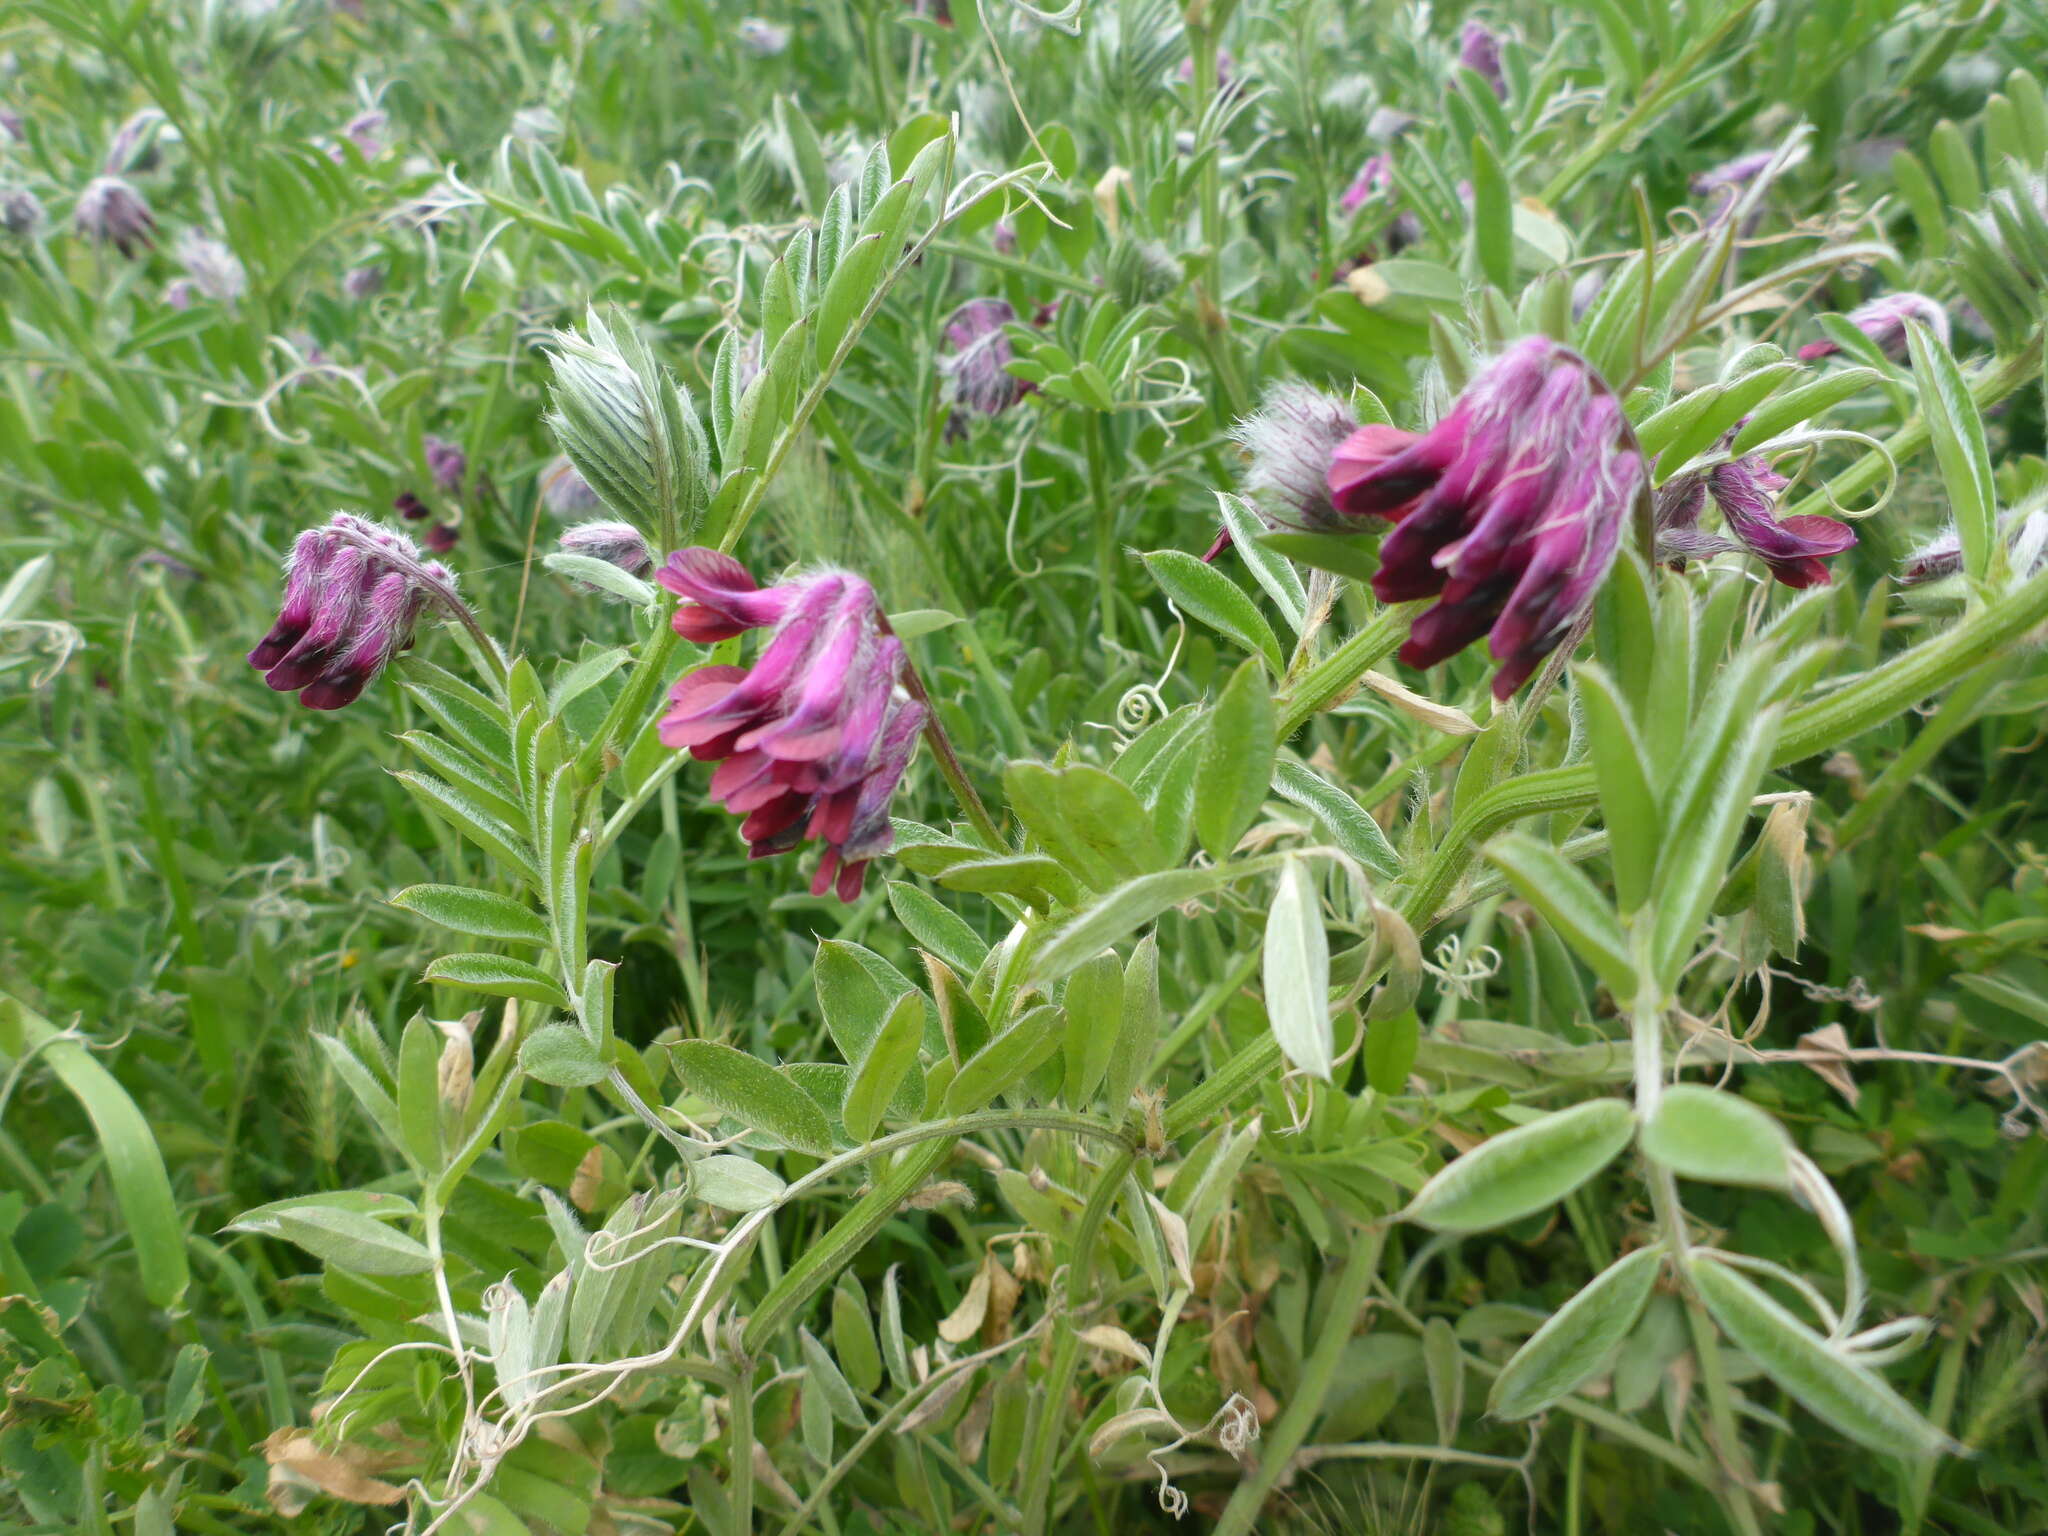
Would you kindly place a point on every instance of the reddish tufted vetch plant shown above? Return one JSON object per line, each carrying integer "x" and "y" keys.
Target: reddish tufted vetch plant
{"x": 1509, "y": 511}
{"x": 810, "y": 741}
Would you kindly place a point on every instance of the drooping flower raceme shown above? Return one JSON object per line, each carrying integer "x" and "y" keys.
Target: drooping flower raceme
{"x": 1795, "y": 549}
{"x": 112, "y": 212}
{"x": 1509, "y": 511}
{"x": 1883, "y": 320}
{"x": 353, "y": 593}
{"x": 813, "y": 738}
{"x": 974, "y": 368}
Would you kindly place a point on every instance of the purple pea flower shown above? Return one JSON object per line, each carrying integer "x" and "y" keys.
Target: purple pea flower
{"x": 353, "y": 595}
{"x": 362, "y": 282}
{"x": 813, "y": 739}
{"x": 409, "y": 506}
{"x": 1883, "y": 320}
{"x": 113, "y": 213}
{"x": 975, "y": 369}
{"x": 1794, "y": 549}
{"x": 445, "y": 461}
{"x": 366, "y": 131}
{"x": 1508, "y": 512}
{"x": 1376, "y": 175}
{"x": 1479, "y": 51}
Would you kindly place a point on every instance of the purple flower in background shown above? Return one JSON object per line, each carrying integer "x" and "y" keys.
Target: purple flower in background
{"x": 619, "y": 544}
{"x": 1725, "y": 184}
{"x": 980, "y": 347}
{"x": 12, "y": 126}
{"x": 179, "y": 293}
{"x": 409, "y": 506}
{"x": 1479, "y": 51}
{"x": 353, "y": 594}
{"x": 1376, "y": 175}
{"x": 763, "y": 38}
{"x": 360, "y": 283}
{"x": 1226, "y": 72}
{"x": 366, "y": 131}
{"x": 113, "y": 213}
{"x": 564, "y": 491}
{"x": 21, "y": 211}
{"x": 445, "y": 461}
{"x": 1508, "y": 511}
{"x": 134, "y": 143}
{"x": 1795, "y": 549}
{"x": 1388, "y": 123}
{"x": 1883, "y": 320}
{"x": 442, "y": 537}
{"x": 813, "y": 739}
{"x": 214, "y": 270}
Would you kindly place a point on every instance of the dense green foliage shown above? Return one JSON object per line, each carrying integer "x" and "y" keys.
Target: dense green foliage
{"x": 1223, "y": 1119}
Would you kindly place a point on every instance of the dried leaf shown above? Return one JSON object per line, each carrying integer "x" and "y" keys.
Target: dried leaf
{"x": 1832, "y": 1041}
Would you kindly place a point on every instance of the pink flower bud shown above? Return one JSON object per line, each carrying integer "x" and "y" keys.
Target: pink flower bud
{"x": 619, "y": 544}
{"x": 353, "y": 595}
{"x": 1883, "y": 320}
{"x": 1289, "y": 445}
{"x": 1479, "y": 51}
{"x": 974, "y": 369}
{"x": 813, "y": 739}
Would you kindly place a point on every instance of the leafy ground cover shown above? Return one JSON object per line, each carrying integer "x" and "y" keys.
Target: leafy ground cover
{"x": 1385, "y": 663}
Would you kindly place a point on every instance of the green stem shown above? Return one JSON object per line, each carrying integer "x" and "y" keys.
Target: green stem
{"x": 1814, "y": 727}
{"x": 741, "y": 1398}
{"x": 1046, "y": 1431}
{"x": 1105, "y": 531}
{"x": 1989, "y": 387}
{"x": 1673, "y": 81}
{"x": 1327, "y": 682}
{"x": 629, "y": 709}
{"x": 1319, "y": 1370}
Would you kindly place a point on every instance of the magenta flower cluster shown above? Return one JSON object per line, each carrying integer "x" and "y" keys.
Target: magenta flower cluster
{"x": 353, "y": 594}
{"x": 810, "y": 741}
{"x": 1508, "y": 512}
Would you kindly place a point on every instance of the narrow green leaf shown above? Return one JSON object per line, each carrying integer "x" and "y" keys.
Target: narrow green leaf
{"x": 499, "y": 976}
{"x": 1722, "y": 1138}
{"x": 1089, "y": 820}
{"x": 562, "y": 1056}
{"x": 1570, "y": 903}
{"x": 1206, "y": 595}
{"x": 485, "y": 914}
{"x": 1621, "y": 768}
{"x": 1572, "y": 1346}
{"x": 1236, "y": 764}
{"x": 1849, "y": 1397}
{"x": 890, "y": 1056}
{"x": 1297, "y": 972}
{"x": 1006, "y": 1060}
{"x": 1093, "y": 1002}
{"x": 1957, "y": 432}
{"x": 753, "y": 1093}
{"x": 1521, "y": 1171}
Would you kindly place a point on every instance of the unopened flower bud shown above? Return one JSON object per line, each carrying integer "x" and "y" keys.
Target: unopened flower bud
{"x": 21, "y": 212}
{"x": 1883, "y": 320}
{"x": 1289, "y": 444}
{"x": 619, "y": 544}
{"x": 353, "y": 594}
{"x": 442, "y": 537}
{"x": 980, "y": 347}
{"x": 366, "y": 132}
{"x": 113, "y": 213}
{"x": 134, "y": 144}
{"x": 813, "y": 739}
